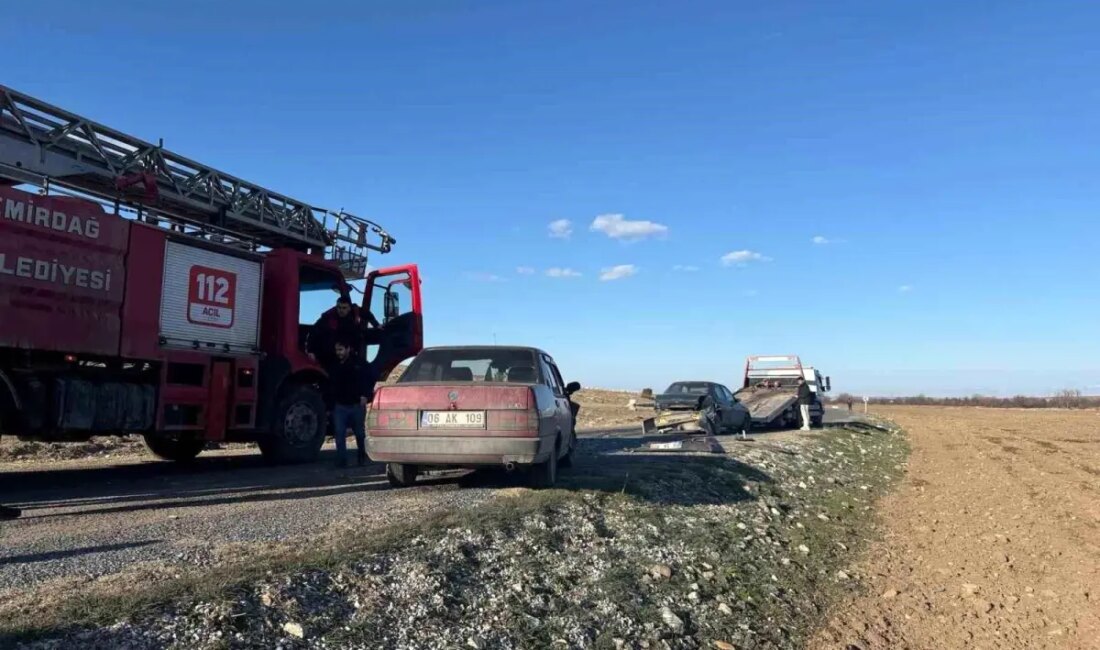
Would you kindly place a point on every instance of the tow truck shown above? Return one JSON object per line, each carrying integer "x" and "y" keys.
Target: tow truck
{"x": 770, "y": 391}
{"x": 145, "y": 293}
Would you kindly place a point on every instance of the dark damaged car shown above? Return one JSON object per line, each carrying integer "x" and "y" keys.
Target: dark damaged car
{"x": 475, "y": 407}
{"x": 697, "y": 406}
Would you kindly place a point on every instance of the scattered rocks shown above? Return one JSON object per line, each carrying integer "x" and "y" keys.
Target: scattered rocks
{"x": 890, "y": 593}
{"x": 969, "y": 589}
{"x": 661, "y": 571}
{"x": 671, "y": 620}
{"x": 294, "y": 629}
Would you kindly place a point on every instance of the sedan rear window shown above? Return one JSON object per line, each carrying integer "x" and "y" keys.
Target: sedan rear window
{"x": 473, "y": 365}
{"x": 687, "y": 388}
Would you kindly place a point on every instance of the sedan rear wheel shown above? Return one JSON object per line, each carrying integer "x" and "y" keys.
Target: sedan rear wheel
{"x": 545, "y": 474}
{"x": 567, "y": 459}
{"x": 401, "y": 475}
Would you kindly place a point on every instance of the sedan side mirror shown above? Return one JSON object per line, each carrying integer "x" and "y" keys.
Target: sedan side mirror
{"x": 572, "y": 387}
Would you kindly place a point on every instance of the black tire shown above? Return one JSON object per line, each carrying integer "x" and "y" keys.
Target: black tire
{"x": 298, "y": 427}
{"x": 817, "y": 421}
{"x": 401, "y": 475}
{"x": 567, "y": 459}
{"x": 545, "y": 474}
{"x": 178, "y": 450}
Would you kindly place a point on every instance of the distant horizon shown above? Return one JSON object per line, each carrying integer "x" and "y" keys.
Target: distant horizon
{"x": 874, "y": 395}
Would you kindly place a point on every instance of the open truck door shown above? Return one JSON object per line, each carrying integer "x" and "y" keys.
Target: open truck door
{"x": 392, "y": 296}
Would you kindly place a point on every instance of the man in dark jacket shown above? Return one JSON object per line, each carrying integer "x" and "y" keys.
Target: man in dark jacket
{"x": 352, "y": 383}
{"x": 805, "y": 398}
{"x": 7, "y": 512}
{"x": 342, "y": 322}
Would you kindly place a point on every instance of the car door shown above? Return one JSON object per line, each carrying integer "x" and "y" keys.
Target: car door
{"x": 739, "y": 415}
{"x": 563, "y": 416}
{"x": 400, "y": 331}
{"x": 567, "y": 405}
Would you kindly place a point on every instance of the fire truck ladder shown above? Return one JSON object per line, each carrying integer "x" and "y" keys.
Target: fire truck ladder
{"x": 43, "y": 145}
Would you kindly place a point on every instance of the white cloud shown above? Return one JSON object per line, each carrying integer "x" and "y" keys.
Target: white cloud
{"x": 561, "y": 229}
{"x": 525, "y": 270}
{"x": 618, "y": 272}
{"x": 821, "y": 240}
{"x": 686, "y": 268}
{"x": 616, "y": 227}
{"x": 559, "y": 272}
{"x": 480, "y": 276}
{"x": 905, "y": 288}
{"x": 741, "y": 258}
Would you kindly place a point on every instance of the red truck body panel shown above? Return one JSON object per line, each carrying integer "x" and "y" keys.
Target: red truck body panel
{"x": 144, "y": 277}
{"x": 62, "y": 266}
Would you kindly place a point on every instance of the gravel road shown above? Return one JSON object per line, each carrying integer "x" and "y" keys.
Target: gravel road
{"x": 92, "y": 517}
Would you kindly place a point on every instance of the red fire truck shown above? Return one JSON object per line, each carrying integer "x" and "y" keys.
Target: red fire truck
{"x": 143, "y": 293}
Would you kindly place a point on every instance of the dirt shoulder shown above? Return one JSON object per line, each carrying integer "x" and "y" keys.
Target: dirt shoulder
{"x": 993, "y": 539}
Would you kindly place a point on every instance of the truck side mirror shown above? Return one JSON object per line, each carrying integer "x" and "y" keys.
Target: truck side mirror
{"x": 572, "y": 387}
{"x": 828, "y": 384}
{"x": 391, "y": 307}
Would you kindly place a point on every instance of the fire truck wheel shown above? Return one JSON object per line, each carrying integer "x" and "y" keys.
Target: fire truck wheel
{"x": 298, "y": 429}
{"x": 181, "y": 451}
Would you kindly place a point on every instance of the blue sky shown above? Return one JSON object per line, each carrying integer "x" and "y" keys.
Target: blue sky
{"x": 947, "y": 152}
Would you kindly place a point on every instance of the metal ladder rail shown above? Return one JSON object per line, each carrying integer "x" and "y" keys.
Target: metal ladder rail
{"x": 41, "y": 141}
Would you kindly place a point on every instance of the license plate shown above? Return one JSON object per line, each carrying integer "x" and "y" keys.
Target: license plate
{"x": 679, "y": 444}
{"x": 452, "y": 419}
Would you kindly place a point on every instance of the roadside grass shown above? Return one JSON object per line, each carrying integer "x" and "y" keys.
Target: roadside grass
{"x": 714, "y": 541}
{"x": 97, "y": 607}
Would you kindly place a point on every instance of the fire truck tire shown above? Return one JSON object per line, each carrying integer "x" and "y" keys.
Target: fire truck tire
{"x": 181, "y": 451}
{"x": 298, "y": 428}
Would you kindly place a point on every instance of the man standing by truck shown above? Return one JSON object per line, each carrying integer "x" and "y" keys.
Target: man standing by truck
{"x": 805, "y": 398}
{"x": 340, "y": 322}
{"x": 352, "y": 383}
